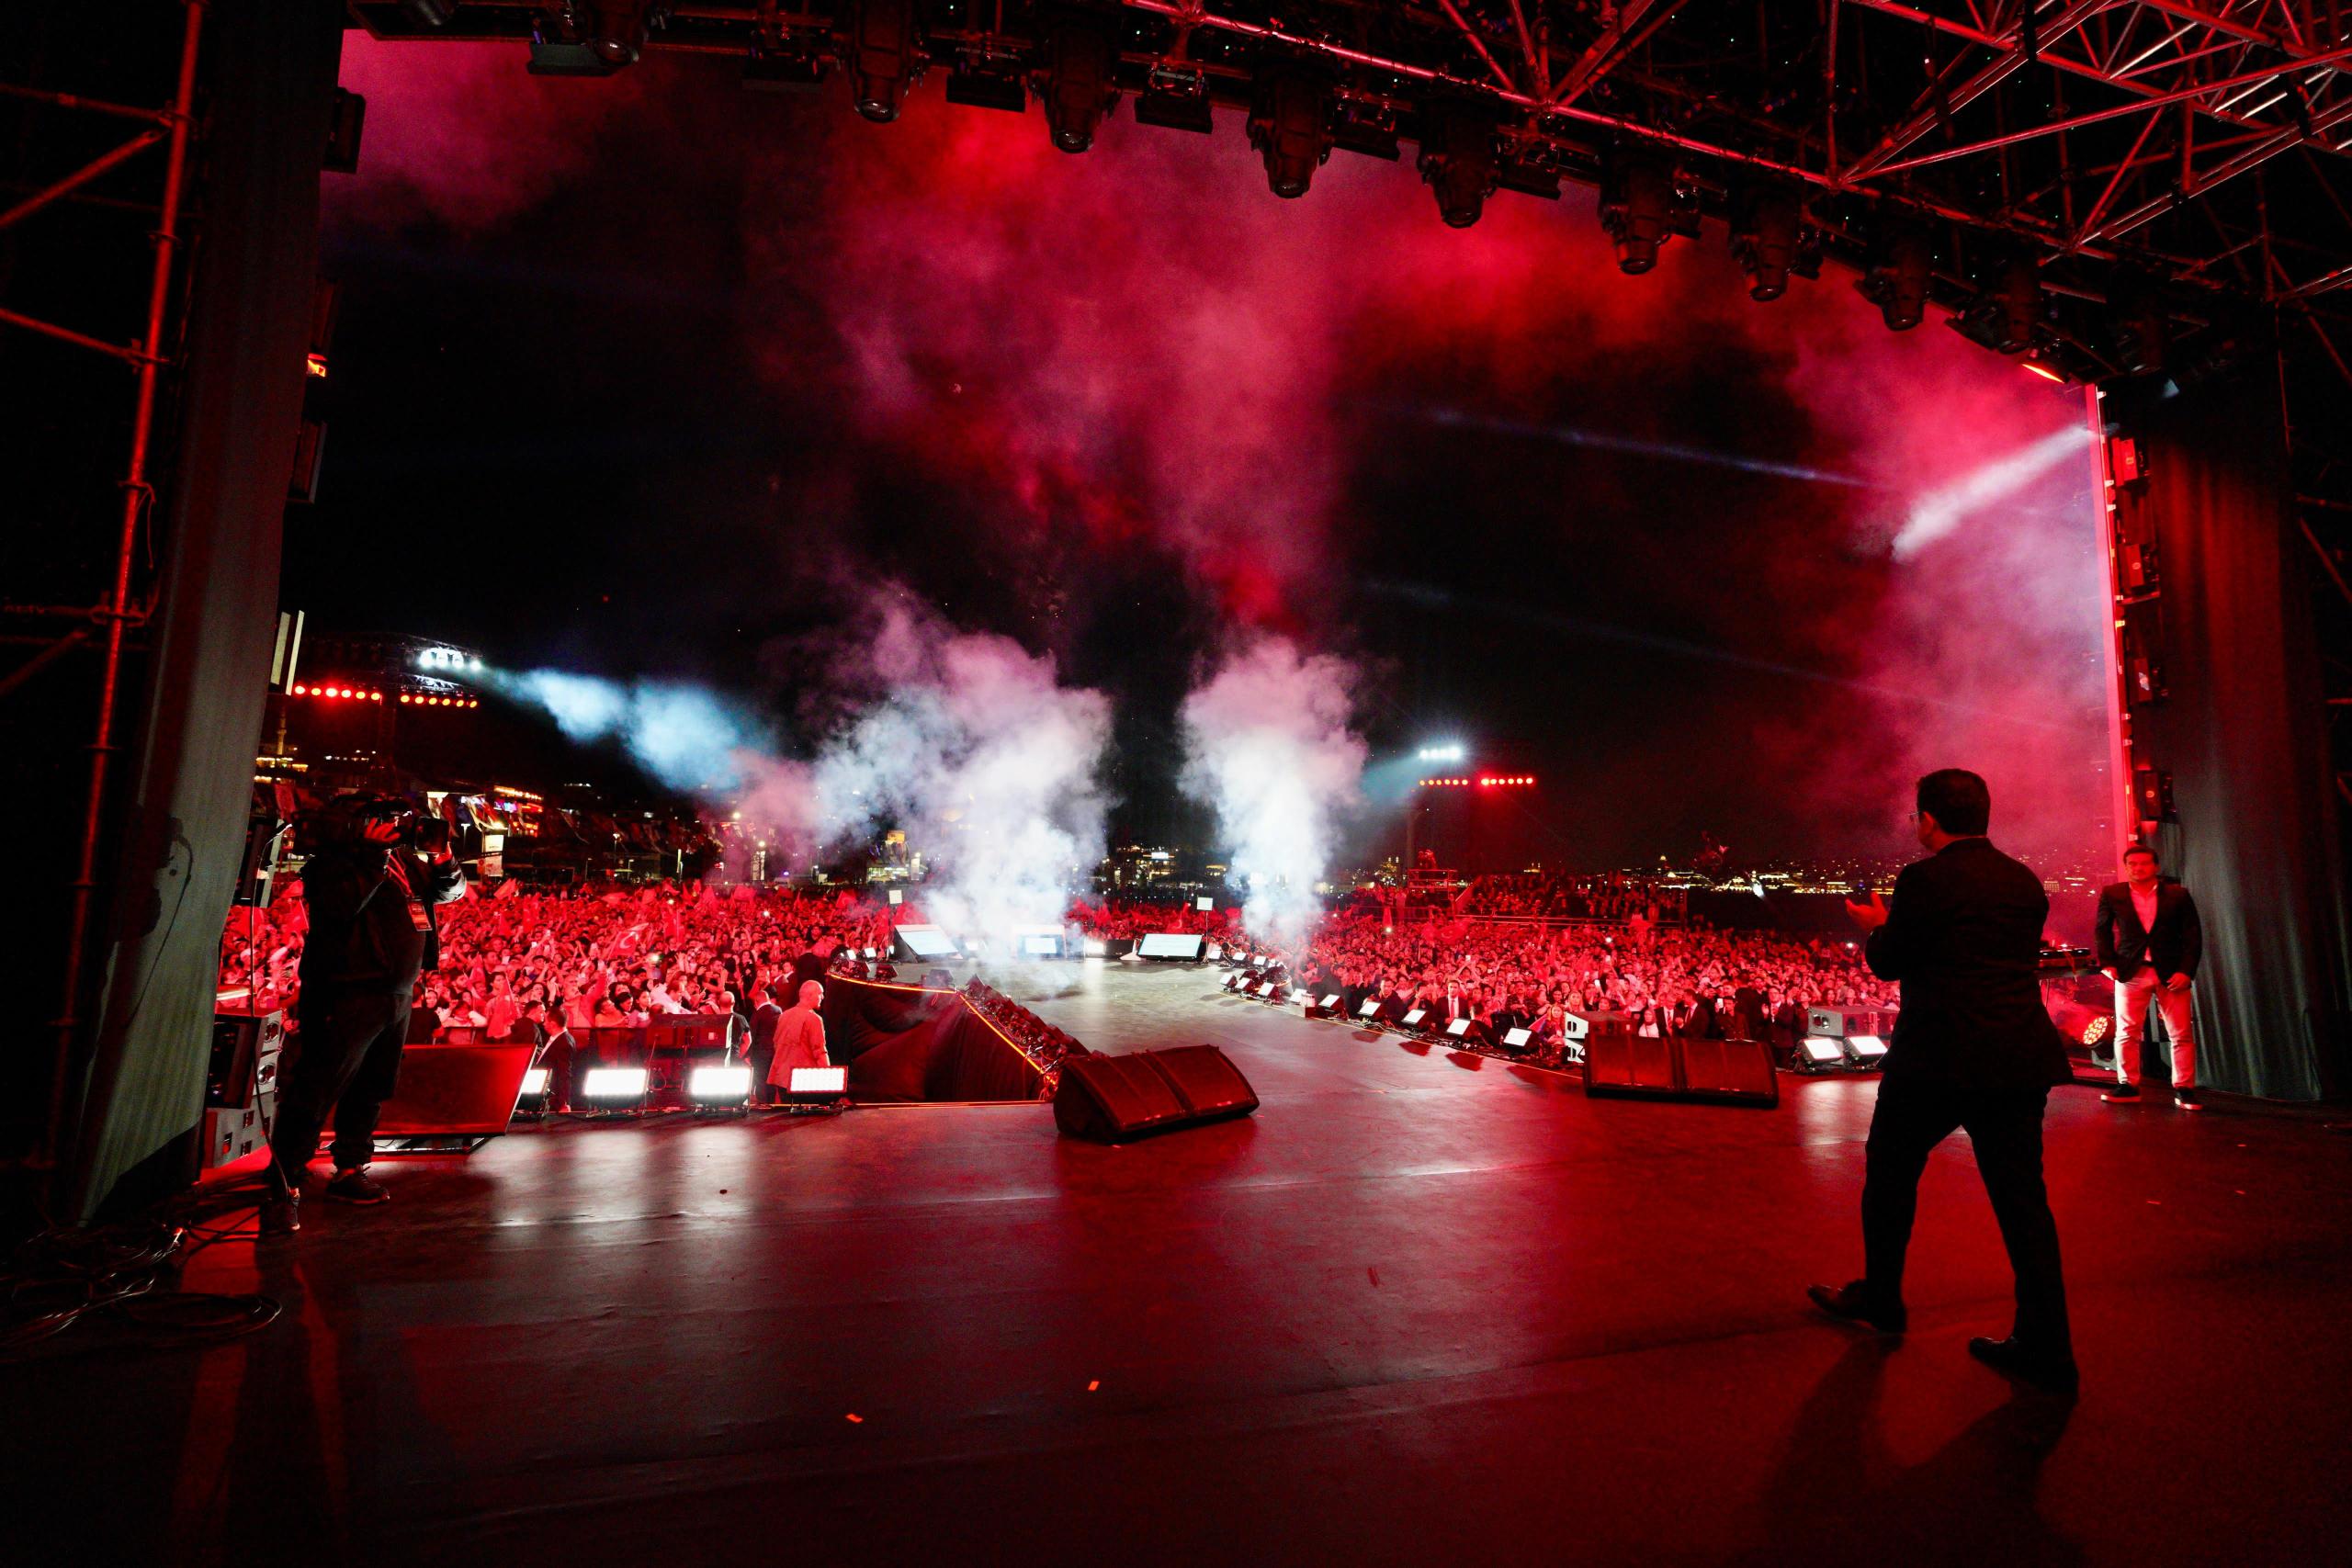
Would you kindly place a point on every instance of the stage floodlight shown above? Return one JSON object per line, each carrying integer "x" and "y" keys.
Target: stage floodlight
{"x": 1864, "y": 1050}
{"x": 1769, "y": 239}
{"x": 532, "y": 1098}
{"x": 807, "y": 1086}
{"x": 1205, "y": 903}
{"x": 1458, "y": 160}
{"x": 1290, "y": 125}
{"x": 1368, "y": 1007}
{"x": 1819, "y": 1053}
{"x": 1517, "y": 1038}
{"x": 535, "y": 1081}
{"x": 882, "y": 60}
{"x": 1642, "y": 207}
{"x": 1095, "y": 947}
{"x": 1413, "y": 1019}
{"x": 1233, "y": 980}
{"x": 1080, "y": 89}
{"x": 615, "y": 1089}
{"x": 1213, "y": 952}
{"x": 718, "y": 1087}
{"x": 618, "y": 36}
{"x": 1458, "y": 1028}
{"x": 1331, "y": 1001}
{"x": 2136, "y": 321}
{"x": 1897, "y": 279}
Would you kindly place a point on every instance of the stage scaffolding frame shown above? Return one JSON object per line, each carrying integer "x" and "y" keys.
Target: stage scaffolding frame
{"x": 108, "y": 623}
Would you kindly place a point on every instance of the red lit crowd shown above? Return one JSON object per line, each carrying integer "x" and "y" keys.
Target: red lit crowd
{"x": 1666, "y": 979}
{"x": 1606, "y": 896}
{"x": 529, "y": 964}
{"x": 586, "y": 958}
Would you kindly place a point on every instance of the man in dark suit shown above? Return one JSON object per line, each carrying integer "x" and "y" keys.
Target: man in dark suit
{"x": 765, "y": 1016}
{"x": 2149, "y": 944}
{"x": 1973, "y": 1048}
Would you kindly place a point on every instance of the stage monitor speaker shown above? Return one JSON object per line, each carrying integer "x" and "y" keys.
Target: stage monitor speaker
{"x": 1729, "y": 1072}
{"x": 1112, "y": 1099}
{"x": 1840, "y": 1022}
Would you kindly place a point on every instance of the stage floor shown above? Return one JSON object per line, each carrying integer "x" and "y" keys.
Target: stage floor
{"x": 1420, "y": 1309}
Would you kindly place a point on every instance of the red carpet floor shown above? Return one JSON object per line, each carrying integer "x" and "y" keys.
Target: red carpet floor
{"x": 1420, "y": 1309}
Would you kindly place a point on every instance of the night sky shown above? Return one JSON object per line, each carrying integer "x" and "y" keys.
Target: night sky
{"x": 654, "y": 377}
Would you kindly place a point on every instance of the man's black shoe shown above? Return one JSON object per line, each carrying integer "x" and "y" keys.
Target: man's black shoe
{"x": 281, "y": 1215}
{"x": 356, "y": 1186}
{"x": 2123, "y": 1094}
{"x": 2052, "y": 1374}
{"x": 1855, "y": 1303}
{"x": 2190, "y": 1099}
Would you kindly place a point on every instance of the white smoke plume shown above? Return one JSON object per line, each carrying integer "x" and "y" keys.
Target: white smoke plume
{"x": 687, "y": 736}
{"x": 1269, "y": 746}
{"x": 967, "y": 741}
{"x": 976, "y": 749}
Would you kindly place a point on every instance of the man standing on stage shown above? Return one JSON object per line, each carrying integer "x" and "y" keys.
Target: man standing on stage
{"x": 2149, "y": 942}
{"x": 372, "y": 883}
{"x": 1974, "y": 1049}
{"x": 799, "y": 1036}
{"x": 766, "y": 1017}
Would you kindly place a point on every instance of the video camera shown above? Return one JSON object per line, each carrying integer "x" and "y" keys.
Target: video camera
{"x": 344, "y": 822}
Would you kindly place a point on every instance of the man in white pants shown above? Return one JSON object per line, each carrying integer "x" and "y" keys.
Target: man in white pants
{"x": 2149, "y": 942}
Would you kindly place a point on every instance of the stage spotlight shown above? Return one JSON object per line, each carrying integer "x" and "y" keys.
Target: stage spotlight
{"x": 1642, "y": 208}
{"x": 619, "y": 34}
{"x": 720, "y": 1087}
{"x": 817, "y": 1086}
{"x": 1769, "y": 239}
{"x": 1290, "y": 126}
{"x": 1897, "y": 279}
{"x": 615, "y": 1089}
{"x": 2004, "y": 314}
{"x": 1458, "y": 160}
{"x": 2135, "y": 321}
{"x": 532, "y": 1101}
{"x": 882, "y": 57}
{"x": 1817, "y": 1053}
{"x": 1865, "y": 1051}
{"x": 1078, "y": 85}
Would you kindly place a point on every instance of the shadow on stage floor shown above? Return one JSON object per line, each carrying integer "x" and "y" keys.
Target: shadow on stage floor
{"x": 1417, "y": 1310}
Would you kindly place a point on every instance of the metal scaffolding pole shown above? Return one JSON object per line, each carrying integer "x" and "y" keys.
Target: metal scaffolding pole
{"x": 116, "y": 612}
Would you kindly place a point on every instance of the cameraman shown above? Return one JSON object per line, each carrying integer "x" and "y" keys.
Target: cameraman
{"x": 371, "y": 886}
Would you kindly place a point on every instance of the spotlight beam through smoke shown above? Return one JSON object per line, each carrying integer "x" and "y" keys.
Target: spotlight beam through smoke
{"x": 1569, "y": 435}
{"x": 1939, "y": 513}
{"x": 1603, "y": 631}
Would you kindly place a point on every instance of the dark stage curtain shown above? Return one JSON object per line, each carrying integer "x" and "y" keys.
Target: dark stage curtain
{"x": 269, "y": 66}
{"x": 2243, "y": 733}
{"x": 918, "y": 1045}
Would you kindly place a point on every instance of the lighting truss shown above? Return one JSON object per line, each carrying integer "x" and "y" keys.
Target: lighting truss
{"x": 2201, "y": 145}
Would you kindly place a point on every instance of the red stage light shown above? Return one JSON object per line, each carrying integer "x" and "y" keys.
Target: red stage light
{"x": 375, "y": 696}
{"x": 298, "y": 691}
{"x": 2047, "y": 373}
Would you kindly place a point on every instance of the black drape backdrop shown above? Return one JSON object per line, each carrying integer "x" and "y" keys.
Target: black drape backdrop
{"x": 2242, "y": 732}
{"x": 902, "y": 1044}
{"x": 269, "y": 71}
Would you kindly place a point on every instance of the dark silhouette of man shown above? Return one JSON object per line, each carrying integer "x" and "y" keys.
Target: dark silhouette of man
{"x": 1973, "y": 1048}
{"x": 372, "y": 898}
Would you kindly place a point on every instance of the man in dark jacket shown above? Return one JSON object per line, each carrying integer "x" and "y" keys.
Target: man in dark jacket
{"x": 373, "y": 930}
{"x": 765, "y": 1017}
{"x": 2149, "y": 944}
{"x": 1973, "y": 1048}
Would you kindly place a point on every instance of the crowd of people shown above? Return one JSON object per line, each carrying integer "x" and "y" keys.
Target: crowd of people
{"x": 1663, "y": 979}
{"x": 519, "y": 965}
{"x": 1603, "y": 895}
{"x": 583, "y": 958}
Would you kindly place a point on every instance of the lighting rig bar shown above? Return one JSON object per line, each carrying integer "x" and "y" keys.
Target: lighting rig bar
{"x": 2064, "y": 178}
